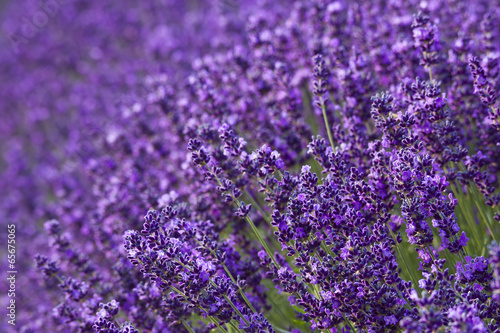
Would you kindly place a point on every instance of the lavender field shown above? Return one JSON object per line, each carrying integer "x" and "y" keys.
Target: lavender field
{"x": 195, "y": 166}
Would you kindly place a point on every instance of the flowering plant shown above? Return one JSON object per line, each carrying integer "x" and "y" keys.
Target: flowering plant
{"x": 321, "y": 166}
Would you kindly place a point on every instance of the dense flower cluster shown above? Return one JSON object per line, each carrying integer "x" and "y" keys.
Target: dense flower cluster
{"x": 253, "y": 166}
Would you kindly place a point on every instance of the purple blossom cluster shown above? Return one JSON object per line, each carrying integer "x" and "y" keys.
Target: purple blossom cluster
{"x": 253, "y": 166}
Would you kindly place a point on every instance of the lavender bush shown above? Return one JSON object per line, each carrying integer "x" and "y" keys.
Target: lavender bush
{"x": 253, "y": 166}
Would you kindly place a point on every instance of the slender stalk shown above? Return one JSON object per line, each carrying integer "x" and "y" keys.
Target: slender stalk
{"x": 325, "y": 118}
{"x": 475, "y": 195}
{"x": 280, "y": 330}
{"x": 242, "y": 293}
{"x": 467, "y": 215}
{"x": 235, "y": 326}
{"x": 199, "y": 307}
{"x": 225, "y": 297}
{"x": 258, "y": 207}
{"x": 186, "y": 325}
{"x": 410, "y": 271}
{"x": 261, "y": 240}
{"x": 254, "y": 228}
{"x": 327, "y": 249}
{"x": 275, "y": 244}
{"x": 349, "y": 323}
{"x": 451, "y": 284}
{"x": 487, "y": 221}
{"x": 212, "y": 319}
{"x": 236, "y": 309}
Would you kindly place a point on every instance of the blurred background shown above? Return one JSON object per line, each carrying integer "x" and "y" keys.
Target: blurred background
{"x": 70, "y": 73}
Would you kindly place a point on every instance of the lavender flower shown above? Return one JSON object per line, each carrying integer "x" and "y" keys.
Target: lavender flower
{"x": 269, "y": 166}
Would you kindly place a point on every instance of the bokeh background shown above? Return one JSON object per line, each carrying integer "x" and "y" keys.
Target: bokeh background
{"x": 71, "y": 73}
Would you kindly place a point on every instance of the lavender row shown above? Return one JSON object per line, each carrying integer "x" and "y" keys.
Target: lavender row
{"x": 323, "y": 166}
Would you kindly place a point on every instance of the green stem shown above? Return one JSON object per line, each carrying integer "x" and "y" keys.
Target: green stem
{"x": 225, "y": 297}
{"x": 325, "y": 118}
{"x": 410, "y": 271}
{"x": 275, "y": 244}
{"x": 186, "y": 325}
{"x": 327, "y": 249}
{"x": 467, "y": 215}
{"x": 451, "y": 285}
{"x": 261, "y": 240}
{"x": 242, "y": 293}
{"x": 475, "y": 194}
{"x": 481, "y": 211}
{"x": 259, "y": 208}
{"x": 254, "y": 228}
{"x": 212, "y": 319}
{"x": 233, "y": 325}
{"x": 349, "y": 323}
{"x": 280, "y": 330}
{"x": 235, "y": 309}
